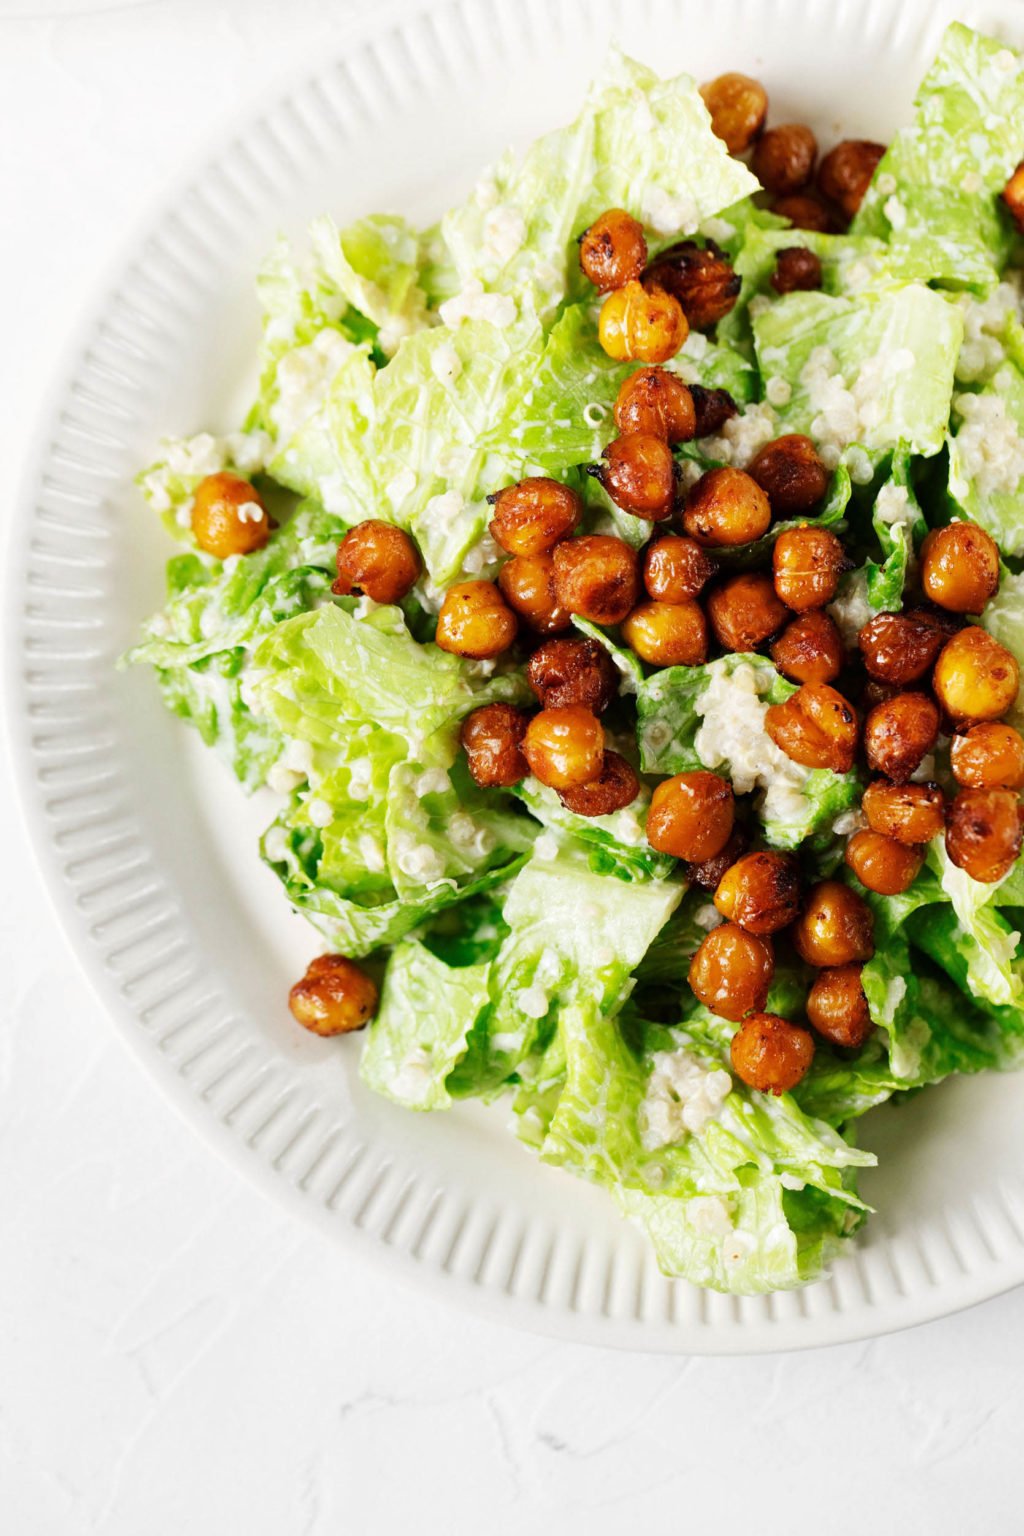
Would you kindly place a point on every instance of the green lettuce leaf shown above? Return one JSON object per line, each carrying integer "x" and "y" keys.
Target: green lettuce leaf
{"x": 898, "y": 522}
{"x": 986, "y": 457}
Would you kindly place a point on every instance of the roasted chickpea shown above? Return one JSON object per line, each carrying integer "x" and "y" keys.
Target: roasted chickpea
{"x": 564, "y": 746}
{"x": 700, "y": 277}
{"x": 810, "y": 650}
{"x": 911, "y": 813}
{"x": 639, "y": 474}
{"x": 835, "y": 926}
{"x": 613, "y": 250}
{"x": 988, "y": 756}
{"x": 654, "y": 401}
{"x": 475, "y": 621}
{"x": 726, "y": 507}
{"x": 576, "y": 671}
{"x": 691, "y": 816}
{"x": 791, "y": 475}
{"x": 615, "y": 787}
{"x": 636, "y": 325}
{"x": 816, "y": 727}
{"x": 807, "y": 563}
{"x": 228, "y": 516}
{"x": 975, "y": 677}
{"x": 899, "y": 648}
{"x": 527, "y": 584}
{"x": 378, "y": 559}
{"x": 881, "y": 863}
{"x": 745, "y": 610}
{"x": 732, "y": 971}
{"x": 1013, "y": 196}
{"x": 530, "y": 517}
{"x": 837, "y": 1007}
{"x": 797, "y": 270}
{"x": 770, "y": 1054}
{"x": 675, "y": 568}
{"x": 334, "y": 997}
{"x": 738, "y": 106}
{"x": 597, "y": 577}
{"x": 713, "y": 408}
{"x": 899, "y": 733}
{"x": 784, "y": 158}
{"x": 846, "y": 171}
{"x": 668, "y": 634}
{"x": 492, "y": 738}
{"x": 983, "y": 832}
{"x": 960, "y": 567}
{"x": 710, "y": 873}
{"x": 804, "y": 211}
{"x": 761, "y": 892}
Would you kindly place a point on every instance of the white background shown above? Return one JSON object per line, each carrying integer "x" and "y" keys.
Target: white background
{"x": 178, "y": 1356}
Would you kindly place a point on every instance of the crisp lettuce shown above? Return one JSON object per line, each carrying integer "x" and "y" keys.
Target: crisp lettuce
{"x": 898, "y": 523}
{"x": 986, "y": 457}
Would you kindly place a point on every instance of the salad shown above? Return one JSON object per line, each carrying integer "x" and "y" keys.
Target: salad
{"x": 619, "y": 587}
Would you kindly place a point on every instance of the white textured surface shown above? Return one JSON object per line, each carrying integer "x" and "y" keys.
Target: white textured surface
{"x": 176, "y": 1354}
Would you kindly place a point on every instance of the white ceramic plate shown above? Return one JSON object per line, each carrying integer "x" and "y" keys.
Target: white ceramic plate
{"x": 148, "y": 848}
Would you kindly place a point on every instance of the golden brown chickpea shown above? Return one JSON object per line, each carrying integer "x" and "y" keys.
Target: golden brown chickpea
{"x": 784, "y": 158}
{"x": 700, "y": 277}
{"x": 564, "y": 746}
{"x": 334, "y": 997}
{"x": 1013, "y": 196}
{"x": 637, "y": 326}
{"x": 911, "y": 813}
{"x": 710, "y": 873}
{"x": 761, "y": 892}
{"x": 492, "y": 739}
{"x": 899, "y": 733}
{"x": 725, "y": 508}
{"x": 675, "y": 568}
{"x": 713, "y": 408}
{"x": 983, "y": 832}
{"x": 639, "y": 474}
{"x": 807, "y": 563}
{"x": 527, "y": 584}
{"x": 797, "y": 270}
{"x": 530, "y": 517}
{"x": 837, "y": 1007}
{"x": 745, "y": 610}
{"x": 653, "y": 400}
{"x": 988, "y": 756}
{"x": 378, "y": 559}
{"x": 613, "y": 250}
{"x": 975, "y": 677}
{"x": 816, "y": 727}
{"x": 791, "y": 475}
{"x": 577, "y": 671}
{"x": 228, "y": 516}
{"x": 615, "y": 787}
{"x": 770, "y": 1054}
{"x": 732, "y": 971}
{"x": 899, "y": 648}
{"x": 691, "y": 816}
{"x": 804, "y": 211}
{"x": 738, "y": 106}
{"x": 668, "y": 634}
{"x": 846, "y": 171}
{"x": 810, "y": 650}
{"x": 835, "y": 926}
{"x": 597, "y": 577}
{"x": 881, "y": 863}
{"x": 960, "y": 567}
{"x": 475, "y": 621}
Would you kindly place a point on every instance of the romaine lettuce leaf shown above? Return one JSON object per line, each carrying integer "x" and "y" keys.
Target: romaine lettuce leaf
{"x": 986, "y": 457}
{"x": 898, "y": 522}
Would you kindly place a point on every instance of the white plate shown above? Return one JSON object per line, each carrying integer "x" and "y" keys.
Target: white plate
{"x": 147, "y": 847}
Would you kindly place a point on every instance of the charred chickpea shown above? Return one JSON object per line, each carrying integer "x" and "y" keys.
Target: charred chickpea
{"x": 810, "y": 649}
{"x": 639, "y": 474}
{"x": 530, "y": 517}
{"x": 713, "y": 408}
{"x": 334, "y": 997}
{"x": 564, "y": 746}
{"x": 527, "y": 584}
{"x": 228, "y": 516}
{"x": 653, "y": 400}
{"x": 881, "y": 863}
{"x": 804, "y": 211}
{"x": 1013, "y": 196}
{"x": 378, "y": 559}
{"x": 911, "y": 813}
{"x": 615, "y": 787}
{"x": 770, "y": 1054}
{"x": 725, "y": 508}
{"x": 983, "y": 832}
{"x": 761, "y": 892}
{"x": 475, "y": 621}
{"x": 745, "y": 611}
{"x": 636, "y": 325}
{"x": 492, "y": 739}
{"x": 816, "y": 727}
{"x": 596, "y": 576}
{"x": 845, "y": 172}
{"x": 702, "y": 278}
{"x": 784, "y": 158}
{"x": 837, "y": 1007}
{"x": 797, "y": 270}
{"x": 960, "y": 567}
{"x": 691, "y": 816}
{"x": 807, "y": 563}
{"x": 988, "y": 756}
{"x": 613, "y": 250}
{"x": 709, "y": 873}
{"x": 668, "y": 634}
{"x": 675, "y": 569}
{"x": 791, "y": 475}
{"x": 899, "y": 648}
{"x": 899, "y": 733}
{"x": 732, "y": 971}
{"x": 738, "y": 106}
{"x": 835, "y": 926}
{"x": 563, "y": 672}
{"x": 975, "y": 677}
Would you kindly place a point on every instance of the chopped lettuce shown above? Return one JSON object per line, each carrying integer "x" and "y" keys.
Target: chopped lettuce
{"x": 898, "y": 523}
{"x": 986, "y": 457}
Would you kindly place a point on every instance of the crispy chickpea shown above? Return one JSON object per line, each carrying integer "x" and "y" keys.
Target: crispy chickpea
{"x": 960, "y": 567}
{"x": 653, "y": 400}
{"x": 378, "y": 559}
{"x": 577, "y": 671}
{"x": 988, "y": 756}
{"x": 492, "y": 738}
{"x": 761, "y": 892}
{"x": 530, "y": 517}
{"x": 615, "y": 787}
{"x": 334, "y": 997}
{"x": 713, "y": 408}
{"x": 639, "y": 474}
{"x": 709, "y": 873}
{"x": 700, "y": 277}
{"x": 527, "y": 584}
{"x": 899, "y": 648}
{"x": 691, "y": 816}
{"x": 668, "y": 634}
{"x": 881, "y": 863}
{"x": 475, "y": 621}
{"x": 837, "y": 1007}
{"x": 810, "y": 649}
{"x": 597, "y": 577}
{"x": 911, "y": 813}
{"x": 791, "y": 474}
{"x": 835, "y": 926}
{"x": 770, "y": 1054}
{"x": 784, "y": 158}
{"x": 738, "y": 106}
{"x": 1013, "y": 196}
{"x": 564, "y": 746}
{"x": 613, "y": 250}
{"x": 732, "y": 971}
{"x": 675, "y": 569}
{"x": 975, "y": 677}
{"x": 797, "y": 270}
{"x": 899, "y": 733}
{"x": 726, "y": 507}
{"x": 637, "y": 325}
{"x": 804, "y": 211}
{"x": 816, "y": 727}
{"x": 846, "y": 171}
{"x": 807, "y": 563}
{"x": 228, "y": 516}
{"x": 983, "y": 832}
{"x": 745, "y": 610}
